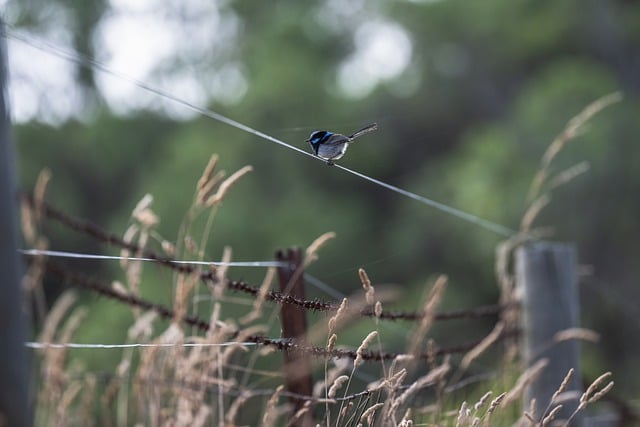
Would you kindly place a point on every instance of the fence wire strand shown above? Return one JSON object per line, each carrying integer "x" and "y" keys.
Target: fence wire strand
{"x": 83, "y": 281}
{"x": 209, "y": 276}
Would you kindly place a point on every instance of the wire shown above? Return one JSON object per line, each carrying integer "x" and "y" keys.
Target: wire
{"x": 327, "y": 289}
{"x": 63, "y": 254}
{"x": 84, "y": 61}
{"x": 473, "y": 219}
{"x": 45, "y": 345}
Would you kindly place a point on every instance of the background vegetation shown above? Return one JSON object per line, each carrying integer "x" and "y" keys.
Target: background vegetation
{"x": 464, "y": 117}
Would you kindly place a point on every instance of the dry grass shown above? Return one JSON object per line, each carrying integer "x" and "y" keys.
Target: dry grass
{"x": 544, "y": 182}
{"x": 431, "y": 304}
{"x": 237, "y": 384}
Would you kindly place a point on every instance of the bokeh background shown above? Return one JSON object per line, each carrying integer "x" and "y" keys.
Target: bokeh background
{"x": 467, "y": 96}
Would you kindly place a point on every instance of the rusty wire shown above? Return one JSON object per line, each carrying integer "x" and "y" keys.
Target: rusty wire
{"x": 94, "y": 285}
{"x": 209, "y": 276}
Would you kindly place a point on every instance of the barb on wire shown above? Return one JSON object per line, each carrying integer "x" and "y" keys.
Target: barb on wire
{"x": 82, "y": 281}
{"x": 85, "y": 61}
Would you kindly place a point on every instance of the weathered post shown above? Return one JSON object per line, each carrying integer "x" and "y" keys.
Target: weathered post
{"x": 297, "y": 366}
{"x": 14, "y": 368}
{"x": 546, "y": 274}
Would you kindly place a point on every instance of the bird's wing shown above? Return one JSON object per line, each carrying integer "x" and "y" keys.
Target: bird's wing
{"x": 336, "y": 139}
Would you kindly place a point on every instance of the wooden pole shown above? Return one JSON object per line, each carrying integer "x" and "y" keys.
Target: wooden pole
{"x": 546, "y": 274}
{"x": 297, "y": 366}
{"x": 14, "y": 366}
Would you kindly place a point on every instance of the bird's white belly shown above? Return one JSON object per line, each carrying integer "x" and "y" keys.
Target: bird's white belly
{"x": 332, "y": 152}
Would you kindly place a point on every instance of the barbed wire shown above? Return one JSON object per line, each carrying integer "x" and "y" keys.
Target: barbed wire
{"x": 91, "y": 229}
{"x": 290, "y": 345}
{"x": 82, "y": 281}
{"x": 470, "y": 313}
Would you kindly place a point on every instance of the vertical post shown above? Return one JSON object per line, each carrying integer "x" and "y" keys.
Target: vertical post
{"x": 14, "y": 369}
{"x": 546, "y": 274}
{"x": 297, "y": 366}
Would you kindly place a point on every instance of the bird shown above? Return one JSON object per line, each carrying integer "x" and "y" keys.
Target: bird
{"x": 331, "y": 146}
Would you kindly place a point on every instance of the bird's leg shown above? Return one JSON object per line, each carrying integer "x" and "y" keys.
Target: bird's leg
{"x": 329, "y": 163}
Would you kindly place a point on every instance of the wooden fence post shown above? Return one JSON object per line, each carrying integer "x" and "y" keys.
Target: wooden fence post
{"x": 14, "y": 367}
{"x": 297, "y": 366}
{"x": 546, "y": 274}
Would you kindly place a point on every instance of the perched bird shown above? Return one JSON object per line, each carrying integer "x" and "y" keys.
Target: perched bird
{"x": 332, "y": 146}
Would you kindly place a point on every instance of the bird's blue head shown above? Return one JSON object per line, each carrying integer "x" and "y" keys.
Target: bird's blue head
{"x": 317, "y": 138}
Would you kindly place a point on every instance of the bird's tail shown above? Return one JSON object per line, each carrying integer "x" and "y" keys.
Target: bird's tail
{"x": 366, "y": 129}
